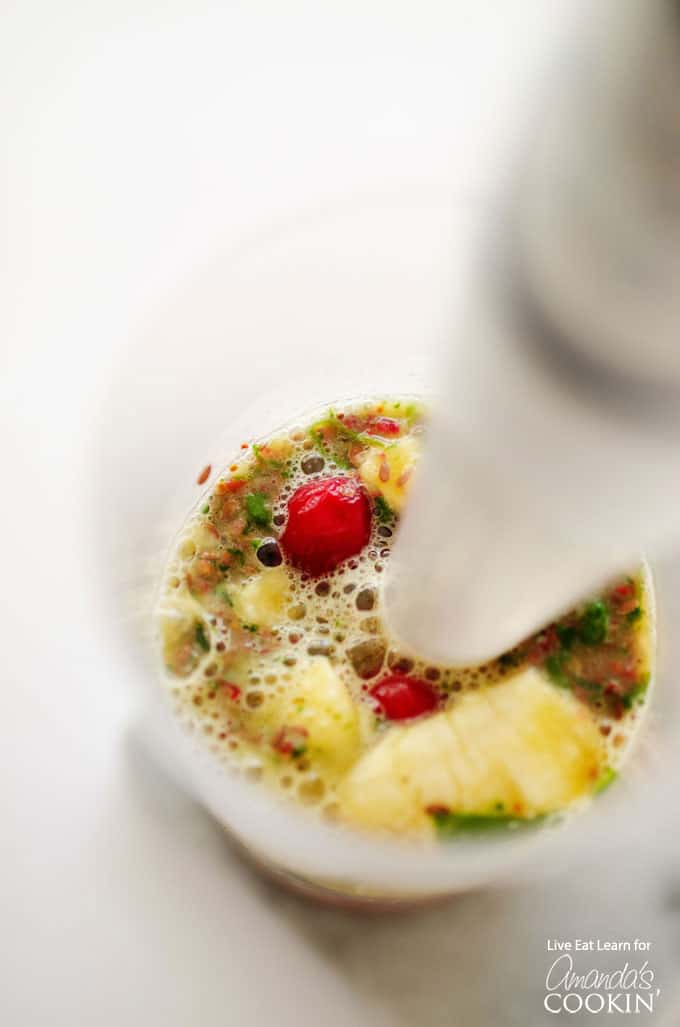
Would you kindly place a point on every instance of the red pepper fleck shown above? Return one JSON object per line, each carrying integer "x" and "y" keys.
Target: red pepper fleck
{"x": 234, "y": 485}
{"x": 383, "y": 426}
{"x": 624, "y": 670}
{"x": 204, "y": 475}
{"x": 233, "y": 691}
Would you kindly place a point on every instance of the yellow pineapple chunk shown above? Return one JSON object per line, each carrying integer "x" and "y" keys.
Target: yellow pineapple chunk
{"x": 318, "y": 702}
{"x": 392, "y": 784}
{"x": 262, "y": 600}
{"x": 388, "y": 472}
{"x": 522, "y": 746}
{"x": 555, "y": 752}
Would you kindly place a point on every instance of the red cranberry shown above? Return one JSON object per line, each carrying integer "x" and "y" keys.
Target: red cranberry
{"x": 329, "y": 520}
{"x": 402, "y": 697}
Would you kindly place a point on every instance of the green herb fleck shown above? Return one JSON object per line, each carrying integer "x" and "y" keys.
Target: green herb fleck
{"x": 448, "y": 825}
{"x": 383, "y": 510}
{"x": 222, "y": 593}
{"x": 555, "y": 668}
{"x": 238, "y": 554}
{"x": 566, "y": 635}
{"x": 201, "y": 636}
{"x": 258, "y": 511}
{"x": 603, "y": 782}
{"x": 594, "y": 623}
{"x": 636, "y": 693}
{"x": 250, "y": 627}
{"x": 634, "y": 615}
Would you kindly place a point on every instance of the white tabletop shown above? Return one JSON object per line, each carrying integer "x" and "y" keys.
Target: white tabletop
{"x": 137, "y": 134}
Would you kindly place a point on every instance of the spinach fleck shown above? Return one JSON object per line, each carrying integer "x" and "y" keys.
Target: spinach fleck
{"x": 606, "y": 778}
{"x": 448, "y": 825}
{"x": 258, "y": 512}
{"x": 201, "y": 636}
{"x": 594, "y": 623}
{"x": 383, "y": 510}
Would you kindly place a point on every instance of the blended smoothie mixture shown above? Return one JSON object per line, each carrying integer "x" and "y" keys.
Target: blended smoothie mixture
{"x": 274, "y": 649}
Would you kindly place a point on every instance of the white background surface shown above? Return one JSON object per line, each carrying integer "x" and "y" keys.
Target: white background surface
{"x": 136, "y": 137}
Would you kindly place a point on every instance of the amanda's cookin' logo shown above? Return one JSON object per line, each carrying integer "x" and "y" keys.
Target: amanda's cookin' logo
{"x": 628, "y": 989}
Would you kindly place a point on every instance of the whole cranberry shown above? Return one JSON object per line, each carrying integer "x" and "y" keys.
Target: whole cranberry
{"x": 328, "y": 521}
{"x": 402, "y": 697}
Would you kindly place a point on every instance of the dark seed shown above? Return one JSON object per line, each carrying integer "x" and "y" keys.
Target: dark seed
{"x": 269, "y": 553}
{"x": 384, "y": 531}
{"x": 366, "y": 599}
{"x": 323, "y": 588}
{"x": 279, "y": 519}
{"x": 312, "y": 464}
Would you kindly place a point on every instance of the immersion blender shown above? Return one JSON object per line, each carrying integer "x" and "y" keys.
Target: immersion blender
{"x": 553, "y": 455}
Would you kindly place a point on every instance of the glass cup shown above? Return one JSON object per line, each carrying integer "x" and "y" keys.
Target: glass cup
{"x": 350, "y": 301}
